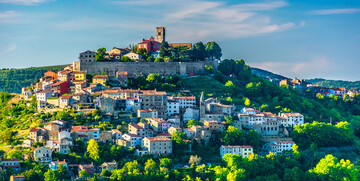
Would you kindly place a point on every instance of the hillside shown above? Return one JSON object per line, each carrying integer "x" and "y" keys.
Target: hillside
{"x": 349, "y": 85}
{"x": 264, "y": 73}
{"x": 12, "y": 80}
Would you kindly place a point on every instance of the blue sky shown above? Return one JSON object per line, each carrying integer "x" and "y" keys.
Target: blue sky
{"x": 306, "y": 38}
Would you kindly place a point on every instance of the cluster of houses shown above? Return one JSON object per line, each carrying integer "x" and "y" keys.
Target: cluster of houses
{"x": 315, "y": 89}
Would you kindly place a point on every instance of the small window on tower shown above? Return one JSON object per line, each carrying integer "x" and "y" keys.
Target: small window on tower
{"x": 159, "y": 33}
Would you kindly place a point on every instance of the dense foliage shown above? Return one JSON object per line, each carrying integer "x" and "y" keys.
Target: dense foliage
{"x": 349, "y": 85}
{"x": 323, "y": 134}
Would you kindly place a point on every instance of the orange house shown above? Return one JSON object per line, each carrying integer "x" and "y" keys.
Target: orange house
{"x": 52, "y": 74}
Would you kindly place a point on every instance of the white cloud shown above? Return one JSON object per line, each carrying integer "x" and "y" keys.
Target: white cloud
{"x": 23, "y": 2}
{"x": 335, "y": 11}
{"x": 194, "y": 20}
{"x": 9, "y": 14}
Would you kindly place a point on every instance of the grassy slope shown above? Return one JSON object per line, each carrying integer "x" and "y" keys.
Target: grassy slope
{"x": 13, "y": 80}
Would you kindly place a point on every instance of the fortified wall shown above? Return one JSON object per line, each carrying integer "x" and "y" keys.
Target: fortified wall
{"x": 161, "y": 68}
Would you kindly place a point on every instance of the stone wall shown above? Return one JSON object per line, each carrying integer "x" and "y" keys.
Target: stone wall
{"x": 162, "y": 68}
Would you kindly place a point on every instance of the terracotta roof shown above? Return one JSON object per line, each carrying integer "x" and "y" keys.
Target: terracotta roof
{"x": 136, "y": 126}
{"x": 182, "y": 97}
{"x": 44, "y": 91}
{"x": 157, "y": 138}
{"x": 236, "y": 146}
{"x": 133, "y": 135}
{"x": 163, "y": 134}
{"x": 147, "y": 110}
{"x": 152, "y": 92}
{"x": 180, "y": 44}
{"x": 100, "y": 77}
{"x": 116, "y": 131}
{"x": 66, "y": 96}
{"x": 79, "y": 128}
{"x": 34, "y": 130}
{"x": 292, "y": 114}
{"x": 9, "y": 159}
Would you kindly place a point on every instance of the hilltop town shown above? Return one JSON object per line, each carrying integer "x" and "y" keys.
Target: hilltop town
{"x": 102, "y": 116}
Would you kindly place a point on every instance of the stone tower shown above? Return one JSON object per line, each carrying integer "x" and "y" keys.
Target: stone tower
{"x": 202, "y": 107}
{"x": 160, "y": 34}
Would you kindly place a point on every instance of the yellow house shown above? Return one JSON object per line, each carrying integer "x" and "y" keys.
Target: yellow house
{"x": 108, "y": 166}
{"x": 100, "y": 79}
{"x": 79, "y": 75}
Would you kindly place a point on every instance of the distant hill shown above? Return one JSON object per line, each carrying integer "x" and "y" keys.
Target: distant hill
{"x": 349, "y": 85}
{"x": 12, "y": 80}
{"x": 265, "y": 73}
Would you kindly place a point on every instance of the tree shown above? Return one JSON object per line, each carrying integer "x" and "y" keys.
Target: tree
{"x": 150, "y": 166}
{"x": 229, "y": 120}
{"x": 213, "y": 50}
{"x": 50, "y": 175}
{"x": 253, "y": 139}
{"x": 193, "y": 122}
{"x": 105, "y": 173}
{"x": 164, "y": 49}
{"x": 230, "y": 87}
{"x": 329, "y": 168}
{"x": 195, "y": 160}
{"x": 100, "y": 55}
{"x": 93, "y": 149}
{"x": 199, "y": 51}
{"x": 150, "y": 59}
{"x": 166, "y": 162}
{"x": 234, "y": 136}
{"x": 83, "y": 173}
{"x": 247, "y": 102}
{"x": 159, "y": 59}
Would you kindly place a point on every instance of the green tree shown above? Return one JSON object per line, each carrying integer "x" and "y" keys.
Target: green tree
{"x": 234, "y": 136}
{"x": 199, "y": 51}
{"x": 230, "y": 87}
{"x": 213, "y": 50}
{"x": 150, "y": 59}
{"x": 50, "y": 175}
{"x": 100, "y": 55}
{"x": 329, "y": 168}
{"x": 166, "y": 162}
{"x": 164, "y": 49}
{"x": 93, "y": 149}
{"x": 159, "y": 59}
{"x": 193, "y": 122}
{"x": 247, "y": 102}
{"x": 83, "y": 174}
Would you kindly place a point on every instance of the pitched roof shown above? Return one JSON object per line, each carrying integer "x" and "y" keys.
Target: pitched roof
{"x": 100, "y": 77}
{"x": 66, "y": 96}
{"x": 44, "y": 91}
{"x": 157, "y": 138}
{"x": 136, "y": 126}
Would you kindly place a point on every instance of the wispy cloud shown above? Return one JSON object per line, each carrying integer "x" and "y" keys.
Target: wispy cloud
{"x": 335, "y": 11}
{"x": 8, "y": 17}
{"x": 194, "y": 20}
{"x": 8, "y": 49}
{"x": 24, "y": 2}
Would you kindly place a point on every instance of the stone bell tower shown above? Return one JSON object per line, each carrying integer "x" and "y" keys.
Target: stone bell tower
{"x": 160, "y": 34}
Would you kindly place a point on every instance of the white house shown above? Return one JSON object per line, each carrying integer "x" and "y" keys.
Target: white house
{"x": 43, "y": 95}
{"x": 244, "y": 151}
{"x": 133, "y": 139}
{"x": 173, "y": 108}
{"x": 279, "y": 146}
{"x": 292, "y": 119}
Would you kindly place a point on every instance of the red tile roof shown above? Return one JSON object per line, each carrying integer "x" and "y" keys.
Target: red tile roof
{"x": 100, "y": 77}
{"x": 44, "y": 91}
{"x": 157, "y": 138}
